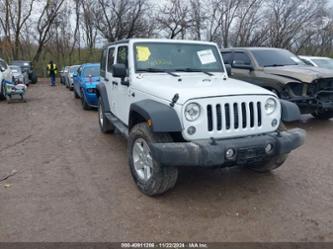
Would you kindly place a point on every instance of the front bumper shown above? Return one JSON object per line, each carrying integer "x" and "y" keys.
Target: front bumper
{"x": 321, "y": 100}
{"x": 209, "y": 153}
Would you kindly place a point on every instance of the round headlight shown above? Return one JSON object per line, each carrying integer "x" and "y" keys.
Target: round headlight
{"x": 192, "y": 111}
{"x": 270, "y": 106}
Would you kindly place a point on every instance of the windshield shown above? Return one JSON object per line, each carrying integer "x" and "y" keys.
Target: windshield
{"x": 74, "y": 69}
{"x": 22, "y": 63}
{"x": 275, "y": 58}
{"x": 324, "y": 63}
{"x": 173, "y": 57}
{"x": 15, "y": 69}
{"x": 91, "y": 71}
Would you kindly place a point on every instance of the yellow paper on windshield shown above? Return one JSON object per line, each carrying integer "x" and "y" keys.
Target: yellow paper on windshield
{"x": 142, "y": 53}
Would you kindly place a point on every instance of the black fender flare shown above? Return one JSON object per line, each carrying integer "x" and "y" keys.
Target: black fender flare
{"x": 289, "y": 111}
{"x": 163, "y": 117}
{"x": 101, "y": 92}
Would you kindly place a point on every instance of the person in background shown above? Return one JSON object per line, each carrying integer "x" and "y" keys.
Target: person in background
{"x": 52, "y": 71}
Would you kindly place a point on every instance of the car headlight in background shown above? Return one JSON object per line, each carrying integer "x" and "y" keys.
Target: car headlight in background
{"x": 192, "y": 111}
{"x": 270, "y": 106}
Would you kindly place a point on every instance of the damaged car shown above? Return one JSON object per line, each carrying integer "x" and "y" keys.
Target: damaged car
{"x": 283, "y": 73}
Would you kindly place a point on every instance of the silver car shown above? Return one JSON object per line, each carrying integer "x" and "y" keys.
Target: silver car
{"x": 69, "y": 76}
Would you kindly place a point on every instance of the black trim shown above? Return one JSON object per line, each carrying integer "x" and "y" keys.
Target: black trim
{"x": 125, "y": 41}
{"x": 101, "y": 91}
{"x": 205, "y": 153}
{"x": 163, "y": 117}
{"x": 289, "y": 111}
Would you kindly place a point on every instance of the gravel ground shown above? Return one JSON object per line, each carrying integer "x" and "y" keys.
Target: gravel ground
{"x": 73, "y": 184}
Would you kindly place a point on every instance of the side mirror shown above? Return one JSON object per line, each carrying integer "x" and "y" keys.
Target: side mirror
{"x": 2, "y": 69}
{"x": 228, "y": 68}
{"x": 75, "y": 74}
{"x": 119, "y": 71}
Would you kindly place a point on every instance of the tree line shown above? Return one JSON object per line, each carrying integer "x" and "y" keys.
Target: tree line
{"x": 73, "y": 31}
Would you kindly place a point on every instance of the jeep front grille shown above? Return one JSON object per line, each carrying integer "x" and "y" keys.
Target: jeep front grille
{"x": 234, "y": 116}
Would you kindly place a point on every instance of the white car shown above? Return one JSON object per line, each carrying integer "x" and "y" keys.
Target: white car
{"x": 316, "y": 61}
{"x": 5, "y": 75}
{"x": 177, "y": 106}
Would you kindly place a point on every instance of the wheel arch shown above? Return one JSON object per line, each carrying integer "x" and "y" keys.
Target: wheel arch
{"x": 101, "y": 92}
{"x": 160, "y": 117}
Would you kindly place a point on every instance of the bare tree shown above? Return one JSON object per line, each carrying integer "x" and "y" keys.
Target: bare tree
{"x": 76, "y": 36}
{"x": 250, "y": 29}
{"x": 287, "y": 19}
{"x": 45, "y": 21}
{"x": 119, "y": 19}
{"x": 20, "y": 11}
{"x": 174, "y": 18}
{"x": 88, "y": 23}
{"x": 198, "y": 18}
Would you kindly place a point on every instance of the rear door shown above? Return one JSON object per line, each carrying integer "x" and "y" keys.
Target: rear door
{"x": 110, "y": 87}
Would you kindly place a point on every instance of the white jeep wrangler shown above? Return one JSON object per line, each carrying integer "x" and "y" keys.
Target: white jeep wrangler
{"x": 174, "y": 102}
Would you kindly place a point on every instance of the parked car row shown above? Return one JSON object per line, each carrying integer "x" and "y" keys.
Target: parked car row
{"x": 82, "y": 80}
{"x": 186, "y": 103}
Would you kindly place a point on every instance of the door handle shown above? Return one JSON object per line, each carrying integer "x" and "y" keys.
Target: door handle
{"x": 115, "y": 83}
{"x": 106, "y": 79}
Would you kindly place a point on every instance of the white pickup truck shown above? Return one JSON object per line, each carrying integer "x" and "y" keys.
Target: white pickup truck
{"x": 174, "y": 102}
{"x": 5, "y": 75}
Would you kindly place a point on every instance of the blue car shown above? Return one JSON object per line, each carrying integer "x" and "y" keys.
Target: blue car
{"x": 85, "y": 82}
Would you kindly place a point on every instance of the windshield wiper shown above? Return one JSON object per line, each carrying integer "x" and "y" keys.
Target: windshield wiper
{"x": 280, "y": 65}
{"x": 275, "y": 65}
{"x": 156, "y": 70}
{"x": 194, "y": 70}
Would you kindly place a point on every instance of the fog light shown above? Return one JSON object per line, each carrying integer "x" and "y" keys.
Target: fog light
{"x": 268, "y": 148}
{"x": 191, "y": 130}
{"x": 229, "y": 154}
{"x": 274, "y": 122}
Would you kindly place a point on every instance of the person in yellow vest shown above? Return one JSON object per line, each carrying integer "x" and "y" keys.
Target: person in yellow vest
{"x": 52, "y": 71}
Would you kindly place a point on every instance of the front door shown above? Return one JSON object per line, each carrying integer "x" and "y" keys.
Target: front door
{"x": 239, "y": 63}
{"x": 122, "y": 98}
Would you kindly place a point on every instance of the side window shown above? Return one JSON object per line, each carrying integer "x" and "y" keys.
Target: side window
{"x": 111, "y": 59}
{"x": 103, "y": 62}
{"x": 227, "y": 57}
{"x": 122, "y": 55}
{"x": 79, "y": 71}
{"x": 241, "y": 58}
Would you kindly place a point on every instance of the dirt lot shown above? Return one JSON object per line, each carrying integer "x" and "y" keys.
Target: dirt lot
{"x": 73, "y": 184}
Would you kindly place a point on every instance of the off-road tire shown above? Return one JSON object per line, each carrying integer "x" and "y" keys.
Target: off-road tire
{"x": 84, "y": 103}
{"x": 163, "y": 177}
{"x": 2, "y": 92}
{"x": 105, "y": 125}
{"x": 33, "y": 78}
{"x": 323, "y": 115}
{"x": 273, "y": 163}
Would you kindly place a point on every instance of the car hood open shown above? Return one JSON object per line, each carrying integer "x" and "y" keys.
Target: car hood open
{"x": 305, "y": 74}
{"x": 194, "y": 86}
